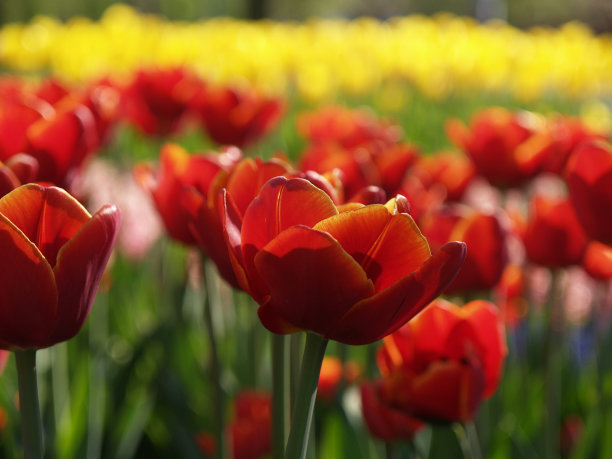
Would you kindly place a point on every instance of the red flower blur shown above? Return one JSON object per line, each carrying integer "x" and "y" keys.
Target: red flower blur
{"x": 553, "y": 236}
{"x": 353, "y": 277}
{"x": 597, "y": 260}
{"x": 485, "y": 239}
{"x": 17, "y": 170}
{"x": 549, "y": 149}
{"x": 348, "y": 128}
{"x": 158, "y": 100}
{"x": 589, "y": 177}
{"x": 251, "y": 430}
{"x": 238, "y": 117}
{"x": 384, "y": 421}
{"x": 444, "y": 362}
{"x": 491, "y": 141}
{"x": 177, "y": 171}
{"x": 49, "y": 240}
{"x": 333, "y": 375}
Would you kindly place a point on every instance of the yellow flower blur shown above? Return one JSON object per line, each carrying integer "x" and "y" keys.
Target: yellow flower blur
{"x": 320, "y": 58}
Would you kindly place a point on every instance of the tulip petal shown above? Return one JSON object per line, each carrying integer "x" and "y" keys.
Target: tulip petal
{"x": 376, "y": 317}
{"x": 48, "y": 216}
{"x": 485, "y": 319}
{"x": 282, "y": 203}
{"x": 312, "y": 281}
{"x": 388, "y": 247}
{"x": 28, "y": 302}
{"x": 80, "y": 265}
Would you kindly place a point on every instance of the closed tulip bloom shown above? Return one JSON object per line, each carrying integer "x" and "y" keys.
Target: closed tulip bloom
{"x": 352, "y": 276}
{"x": 444, "y": 362}
{"x": 589, "y": 177}
{"x": 485, "y": 239}
{"x": 238, "y": 117}
{"x": 553, "y": 236}
{"x": 491, "y": 141}
{"x": 53, "y": 256}
{"x": 158, "y": 100}
{"x": 383, "y": 420}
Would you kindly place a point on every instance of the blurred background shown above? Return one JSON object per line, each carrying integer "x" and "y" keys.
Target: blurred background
{"x": 520, "y": 13}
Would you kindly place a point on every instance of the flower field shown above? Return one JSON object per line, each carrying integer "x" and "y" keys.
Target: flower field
{"x": 326, "y": 239}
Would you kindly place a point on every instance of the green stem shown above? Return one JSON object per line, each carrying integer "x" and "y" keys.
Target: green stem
{"x": 215, "y": 369}
{"x": 280, "y": 394}
{"x": 31, "y": 423}
{"x": 472, "y": 436}
{"x": 305, "y": 398}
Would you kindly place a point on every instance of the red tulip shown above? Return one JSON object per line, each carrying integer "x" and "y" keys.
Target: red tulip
{"x": 158, "y": 100}
{"x": 485, "y": 239}
{"x": 384, "y": 421}
{"x": 251, "y": 430}
{"x": 589, "y": 177}
{"x": 454, "y": 172}
{"x": 553, "y": 236}
{"x": 177, "y": 171}
{"x": 444, "y": 362}
{"x": 330, "y": 378}
{"x": 348, "y": 128}
{"x": 238, "y": 117}
{"x": 354, "y": 276}
{"x": 491, "y": 142}
{"x": 47, "y": 239}
{"x": 62, "y": 141}
{"x": 549, "y": 149}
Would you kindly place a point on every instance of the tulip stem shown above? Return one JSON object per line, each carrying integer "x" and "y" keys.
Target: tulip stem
{"x": 303, "y": 407}
{"x": 280, "y": 394}
{"x": 472, "y": 437}
{"x": 215, "y": 366}
{"x": 554, "y": 345}
{"x": 31, "y": 423}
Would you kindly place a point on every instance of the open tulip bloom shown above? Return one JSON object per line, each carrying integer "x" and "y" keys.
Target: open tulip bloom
{"x": 352, "y": 276}
{"x": 53, "y": 256}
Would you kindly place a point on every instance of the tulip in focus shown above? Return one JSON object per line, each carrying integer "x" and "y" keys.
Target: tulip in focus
{"x": 53, "y": 256}
{"x": 352, "y": 276}
{"x": 444, "y": 362}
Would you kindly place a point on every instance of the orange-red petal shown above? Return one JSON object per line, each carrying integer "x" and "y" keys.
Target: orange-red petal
{"x": 374, "y": 318}
{"x": 48, "y": 216}
{"x": 388, "y": 247}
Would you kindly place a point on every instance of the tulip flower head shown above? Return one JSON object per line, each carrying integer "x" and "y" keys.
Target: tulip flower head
{"x": 444, "y": 362}
{"x": 53, "y": 256}
{"x": 352, "y": 276}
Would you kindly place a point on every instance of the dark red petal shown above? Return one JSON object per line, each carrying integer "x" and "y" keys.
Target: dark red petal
{"x": 80, "y": 265}
{"x": 28, "y": 302}
{"x": 376, "y": 317}
{"x": 312, "y": 281}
